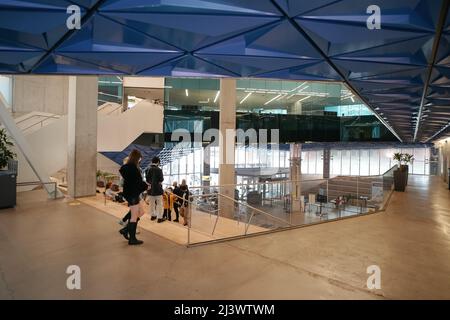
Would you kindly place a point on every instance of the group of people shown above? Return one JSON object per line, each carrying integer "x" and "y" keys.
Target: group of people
{"x": 161, "y": 202}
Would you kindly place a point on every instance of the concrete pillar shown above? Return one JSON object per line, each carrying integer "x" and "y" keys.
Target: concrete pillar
{"x": 206, "y": 178}
{"x": 326, "y": 163}
{"x": 227, "y": 128}
{"x": 295, "y": 176}
{"x": 82, "y": 136}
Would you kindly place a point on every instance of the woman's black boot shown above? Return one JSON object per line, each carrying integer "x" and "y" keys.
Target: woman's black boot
{"x": 132, "y": 232}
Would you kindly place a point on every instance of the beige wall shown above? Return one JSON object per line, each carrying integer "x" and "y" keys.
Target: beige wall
{"x": 40, "y": 93}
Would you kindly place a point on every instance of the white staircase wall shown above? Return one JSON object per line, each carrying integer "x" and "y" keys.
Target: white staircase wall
{"x": 116, "y": 132}
{"x": 49, "y": 144}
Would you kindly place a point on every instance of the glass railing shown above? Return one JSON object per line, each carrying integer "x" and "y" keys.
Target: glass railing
{"x": 234, "y": 211}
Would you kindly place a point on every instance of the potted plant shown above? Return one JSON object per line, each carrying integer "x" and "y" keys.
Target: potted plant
{"x": 400, "y": 173}
{"x": 8, "y": 172}
{"x": 100, "y": 181}
{"x": 6, "y": 155}
{"x": 407, "y": 158}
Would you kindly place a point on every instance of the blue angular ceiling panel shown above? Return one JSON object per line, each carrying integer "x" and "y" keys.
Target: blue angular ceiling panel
{"x": 189, "y": 32}
{"x": 237, "y": 7}
{"x": 399, "y": 14}
{"x": 320, "y": 71}
{"x": 327, "y": 40}
{"x": 295, "y": 7}
{"x": 267, "y": 42}
{"x": 59, "y": 64}
{"x": 188, "y": 66}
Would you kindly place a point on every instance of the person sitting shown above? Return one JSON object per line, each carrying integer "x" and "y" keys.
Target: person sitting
{"x": 113, "y": 195}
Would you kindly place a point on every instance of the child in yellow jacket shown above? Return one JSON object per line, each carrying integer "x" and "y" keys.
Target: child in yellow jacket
{"x": 168, "y": 199}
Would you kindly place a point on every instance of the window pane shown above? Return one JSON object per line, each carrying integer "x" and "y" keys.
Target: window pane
{"x": 335, "y": 162}
{"x": 354, "y": 170}
{"x": 364, "y": 163}
{"x": 374, "y": 162}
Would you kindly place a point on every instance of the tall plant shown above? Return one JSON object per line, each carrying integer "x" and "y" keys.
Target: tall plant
{"x": 407, "y": 158}
{"x": 398, "y": 157}
{"x": 5, "y": 149}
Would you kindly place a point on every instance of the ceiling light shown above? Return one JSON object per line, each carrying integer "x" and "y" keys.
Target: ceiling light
{"x": 298, "y": 87}
{"x": 303, "y": 99}
{"x": 303, "y": 88}
{"x": 245, "y": 98}
{"x": 353, "y": 100}
{"x": 217, "y": 96}
{"x": 272, "y": 99}
{"x": 187, "y": 92}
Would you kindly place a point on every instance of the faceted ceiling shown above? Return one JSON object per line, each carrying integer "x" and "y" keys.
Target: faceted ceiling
{"x": 401, "y": 71}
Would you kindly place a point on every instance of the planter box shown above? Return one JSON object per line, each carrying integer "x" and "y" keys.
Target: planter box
{"x": 8, "y": 195}
{"x": 400, "y": 177}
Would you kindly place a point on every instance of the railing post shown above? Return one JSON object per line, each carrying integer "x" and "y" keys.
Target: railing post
{"x": 189, "y": 214}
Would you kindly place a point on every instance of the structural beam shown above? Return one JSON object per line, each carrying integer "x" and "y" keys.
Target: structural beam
{"x": 437, "y": 39}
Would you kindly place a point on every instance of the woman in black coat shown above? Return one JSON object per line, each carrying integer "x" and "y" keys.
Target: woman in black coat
{"x": 133, "y": 186}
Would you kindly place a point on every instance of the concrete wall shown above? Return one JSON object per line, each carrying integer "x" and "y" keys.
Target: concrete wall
{"x": 444, "y": 158}
{"x": 40, "y": 93}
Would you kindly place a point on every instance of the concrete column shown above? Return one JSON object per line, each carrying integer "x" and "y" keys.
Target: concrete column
{"x": 206, "y": 178}
{"x": 227, "y": 128}
{"x": 82, "y": 136}
{"x": 326, "y": 163}
{"x": 295, "y": 175}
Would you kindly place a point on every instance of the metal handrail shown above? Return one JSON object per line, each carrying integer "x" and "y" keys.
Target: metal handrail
{"x": 37, "y": 115}
{"x": 39, "y": 183}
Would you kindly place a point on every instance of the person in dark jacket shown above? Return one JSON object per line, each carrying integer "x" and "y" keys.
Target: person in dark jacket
{"x": 133, "y": 186}
{"x": 155, "y": 177}
{"x": 177, "y": 200}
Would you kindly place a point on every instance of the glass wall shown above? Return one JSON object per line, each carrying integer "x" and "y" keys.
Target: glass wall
{"x": 346, "y": 162}
{"x": 6, "y": 88}
{"x": 110, "y": 89}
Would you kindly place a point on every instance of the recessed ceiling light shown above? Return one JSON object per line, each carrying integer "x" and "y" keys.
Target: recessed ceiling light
{"x": 217, "y": 96}
{"x": 245, "y": 98}
{"x": 187, "y": 92}
{"x": 274, "y": 98}
{"x": 303, "y": 99}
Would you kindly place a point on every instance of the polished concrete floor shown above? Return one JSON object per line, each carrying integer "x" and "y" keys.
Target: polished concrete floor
{"x": 410, "y": 242}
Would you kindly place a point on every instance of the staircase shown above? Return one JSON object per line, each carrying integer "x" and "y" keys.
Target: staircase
{"x": 47, "y": 135}
{"x": 354, "y": 187}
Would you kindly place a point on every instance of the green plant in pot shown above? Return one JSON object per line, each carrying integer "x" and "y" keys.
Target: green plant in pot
{"x": 100, "y": 179}
{"x": 6, "y": 154}
{"x": 400, "y": 175}
{"x": 407, "y": 158}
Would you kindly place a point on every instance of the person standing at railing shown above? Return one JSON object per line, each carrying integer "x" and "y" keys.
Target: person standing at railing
{"x": 155, "y": 177}
{"x": 133, "y": 186}
{"x": 184, "y": 204}
{"x": 177, "y": 194}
